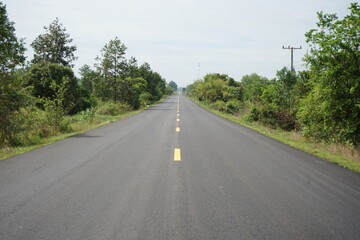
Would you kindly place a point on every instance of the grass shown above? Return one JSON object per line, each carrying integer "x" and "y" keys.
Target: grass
{"x": 341, "y": 155}
{"x": 77, "y": 125}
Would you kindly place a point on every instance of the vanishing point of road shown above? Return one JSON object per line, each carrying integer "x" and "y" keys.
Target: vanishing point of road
{"x": 175, "y": 171}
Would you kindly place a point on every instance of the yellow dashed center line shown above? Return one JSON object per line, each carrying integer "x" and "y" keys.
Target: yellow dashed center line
{"x": 177, "y": 151}
{"x": 177, "y": 154}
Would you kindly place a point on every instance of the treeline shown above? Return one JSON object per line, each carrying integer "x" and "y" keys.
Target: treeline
{"x": 36, "y": 96}
{"x": 322, "y": 102}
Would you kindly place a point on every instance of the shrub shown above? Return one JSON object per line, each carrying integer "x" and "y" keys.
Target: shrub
{"x": 272, "y": 116}
{"x": 254, "y": 114}
{"x": 219, "y": 105}
{"x": 111, "y": 108}
{"x": 87, "y": 114}
{"x": 145, "y": 98}
{"x": 233, "y": 106}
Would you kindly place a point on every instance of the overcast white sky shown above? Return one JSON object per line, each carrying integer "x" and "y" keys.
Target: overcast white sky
{"x": 235, "y": 37}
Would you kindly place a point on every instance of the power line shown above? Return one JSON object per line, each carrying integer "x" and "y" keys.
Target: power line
{"x": 292, "y": 56}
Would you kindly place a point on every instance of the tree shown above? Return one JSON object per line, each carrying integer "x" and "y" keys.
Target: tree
{"x": 54, "y": 46}
{"x": 41, "y": 78}
{"x": 254, "y": 86}
{"x": 173, "y": 85}
{"x": 88, "y": 78}
{"x": 331, "y": 111}
{"x": 11, "y": 94}
{"x": 286, "y": 81}
{"x": 55, "y": 107}
{"x": 169, "y": 90}
{"x": 131, "y": 88}
{"x": 112, "y": 65}
{"x": 156, "y": 85}
{"x": 11, "y": 48}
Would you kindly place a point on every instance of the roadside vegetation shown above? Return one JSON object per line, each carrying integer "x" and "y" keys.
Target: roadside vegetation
{"x": 317, "y": 110}
{"x": 42, "y": 100}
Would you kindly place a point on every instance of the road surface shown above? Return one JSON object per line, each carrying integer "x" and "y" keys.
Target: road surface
{"x": 175, "y": 171}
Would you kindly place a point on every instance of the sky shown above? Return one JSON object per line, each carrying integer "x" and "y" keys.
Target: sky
{"x": 182, "y": 40}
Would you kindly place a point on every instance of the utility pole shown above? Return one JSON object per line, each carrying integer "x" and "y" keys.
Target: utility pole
{"x": 292, "y": 56}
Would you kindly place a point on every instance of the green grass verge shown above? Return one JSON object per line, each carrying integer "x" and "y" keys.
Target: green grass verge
{"x": 77, "y": 128}
{"x": 289, "y": 138}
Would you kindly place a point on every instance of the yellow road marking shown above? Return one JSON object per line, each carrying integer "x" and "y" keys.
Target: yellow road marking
{"x": 177, "y": 129}
{"x": 177, "y": 114}
{"x": 178, "y": 120}
{"x": 177, "y": 154}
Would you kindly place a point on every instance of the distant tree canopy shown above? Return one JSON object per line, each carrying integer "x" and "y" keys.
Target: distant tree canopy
{"x": 122, "y": 80}
{"x": 54, "y": 46}
{"x": 173, "y": 85}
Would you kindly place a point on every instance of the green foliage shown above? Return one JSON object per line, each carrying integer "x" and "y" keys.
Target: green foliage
{"x": 88, "y": 77}
{"x": 12, "y": 95}
{"x": 156, "y": 85}
{"x": 253, "y": 87}
{"x": 219, "y": 105}
{"x": 53, "y": 46}
{"x": 145, "y": 99}
{"x": 216, "y": 87}
{"x": 273, "y": 116}
{"x": 173, "y": 85}
{"x": 233, "y": 106}
{"x": 285, "y": 85}
{"x": 332, "y": 109}
{"x": 30, "y": 126}
{"x": 87, "y": 114}
{"x": 112, "y": 66}
{"x": 169, "y": 90}
{"x": 130, "y": 90}
{"x": 56, "y": 107}
{"x": 11, "y": 48}
{"x": 35, "y": 100}
{"x": 111, "y": 108}
{"x": 42, "y": 76}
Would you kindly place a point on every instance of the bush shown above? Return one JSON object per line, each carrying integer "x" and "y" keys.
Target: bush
{"x": 254, "y": 114}
{"x": 287, "y": 121}
{"x": 219, "y": 105}
{"x": 270, "y": 115}
{"x": 233, "y": 106}
{"x": 111, "y": 108}
{"x": 145, "y": 98}
{"x": 87, "y": 114}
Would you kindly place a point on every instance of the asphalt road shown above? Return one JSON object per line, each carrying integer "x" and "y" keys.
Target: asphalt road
{"x": 142, "y": 178}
